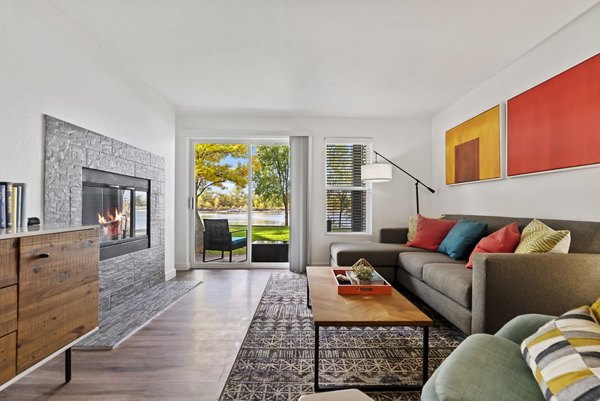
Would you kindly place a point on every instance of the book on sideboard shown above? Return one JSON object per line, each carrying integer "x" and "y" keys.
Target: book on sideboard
{"x": 12, "y": 205}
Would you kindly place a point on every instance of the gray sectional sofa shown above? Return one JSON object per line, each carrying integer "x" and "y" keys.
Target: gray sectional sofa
{"x": 500, "y": 286}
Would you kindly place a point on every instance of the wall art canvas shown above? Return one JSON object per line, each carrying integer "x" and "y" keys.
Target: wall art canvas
{"x": 473, "y": 149}
{"x": 556, "y": 124}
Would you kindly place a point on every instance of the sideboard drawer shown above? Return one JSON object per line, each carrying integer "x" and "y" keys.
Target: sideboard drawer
{"x": 8, "y": 262}
{"x": 58, "y": 292}
{"x": 8, "y": 310}
{"x": 8, "y": 357}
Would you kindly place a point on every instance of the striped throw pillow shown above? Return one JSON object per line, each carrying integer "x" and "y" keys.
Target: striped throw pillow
{"x": 564, "y": 356}
{"x": 539, "y": 238}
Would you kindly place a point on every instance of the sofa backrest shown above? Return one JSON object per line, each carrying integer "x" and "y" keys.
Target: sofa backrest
{"x": 585, "y": 235}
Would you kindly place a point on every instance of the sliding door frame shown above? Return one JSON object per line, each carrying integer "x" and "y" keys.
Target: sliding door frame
{"x": 249, "y": 142}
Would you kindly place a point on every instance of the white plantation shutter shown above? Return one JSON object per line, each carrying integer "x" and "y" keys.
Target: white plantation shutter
{"x": 348, "y": 198}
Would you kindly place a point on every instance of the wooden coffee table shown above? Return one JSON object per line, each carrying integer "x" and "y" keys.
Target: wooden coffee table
{"x": 331, "y": 309}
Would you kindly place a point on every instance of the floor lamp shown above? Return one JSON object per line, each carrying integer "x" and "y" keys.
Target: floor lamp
{"x": 381, "y": 172}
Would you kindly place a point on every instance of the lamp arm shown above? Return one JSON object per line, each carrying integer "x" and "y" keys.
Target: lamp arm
{"x": 405, "y": 172}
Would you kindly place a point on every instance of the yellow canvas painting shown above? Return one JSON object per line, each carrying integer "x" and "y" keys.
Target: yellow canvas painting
{"x": 473, "y": 149}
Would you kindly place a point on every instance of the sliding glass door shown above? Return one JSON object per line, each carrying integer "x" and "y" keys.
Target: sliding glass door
{"x": 241, "y": 203}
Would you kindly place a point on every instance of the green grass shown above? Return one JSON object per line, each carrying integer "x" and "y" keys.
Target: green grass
{"x": 259, "y": 233}
{"x": 266, "y": 233}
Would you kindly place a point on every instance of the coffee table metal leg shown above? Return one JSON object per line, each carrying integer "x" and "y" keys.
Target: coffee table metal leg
{"x": 425, "y": 354}
{"x": 316, "y": 387}
{"x": 308, "y": 305}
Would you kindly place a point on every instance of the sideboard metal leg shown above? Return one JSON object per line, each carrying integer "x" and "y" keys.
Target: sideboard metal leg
{"x": 68, "y": 365}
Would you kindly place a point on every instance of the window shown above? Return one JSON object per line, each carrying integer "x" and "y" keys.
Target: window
{"x": 348, "y": 197}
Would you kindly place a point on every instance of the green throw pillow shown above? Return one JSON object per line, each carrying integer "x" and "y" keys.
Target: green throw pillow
{"x": 539, "y": 238}
{"x": 564, "y": 356}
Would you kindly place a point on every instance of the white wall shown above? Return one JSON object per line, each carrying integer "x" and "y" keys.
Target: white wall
{"x": 406, "y": 142}
{"x": 48, "y": 66}
{"x": 569, "y": 194}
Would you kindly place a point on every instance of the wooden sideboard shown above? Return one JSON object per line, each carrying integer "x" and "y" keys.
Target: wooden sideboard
{"x": 48, "y": 296}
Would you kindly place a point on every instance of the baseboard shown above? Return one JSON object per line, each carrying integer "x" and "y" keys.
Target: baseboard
{"x": 170, "y": 274}
{"x": 182, "y": 266}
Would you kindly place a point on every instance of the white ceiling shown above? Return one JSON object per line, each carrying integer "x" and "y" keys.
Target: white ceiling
{"x": 352, "y": 58}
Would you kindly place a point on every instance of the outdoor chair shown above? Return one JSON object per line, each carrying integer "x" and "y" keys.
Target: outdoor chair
{"x": 217, "y": 237}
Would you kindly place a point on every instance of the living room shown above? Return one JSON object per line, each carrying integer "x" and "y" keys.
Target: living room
{"x": 131, "y": 88}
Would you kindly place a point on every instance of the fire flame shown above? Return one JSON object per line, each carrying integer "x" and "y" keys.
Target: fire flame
{"x": 118, "y": 216}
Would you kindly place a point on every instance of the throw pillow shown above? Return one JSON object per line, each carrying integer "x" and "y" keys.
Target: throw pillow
{"x": 596, "y": 309}
{"x": 412, "y": 226}
{"x": 563, "y": 356}
{"x": 539, "y": 238}
{"x": 431, "y": 232}
{"x": 463, "y": 237}
{"x": 505, "y": 240}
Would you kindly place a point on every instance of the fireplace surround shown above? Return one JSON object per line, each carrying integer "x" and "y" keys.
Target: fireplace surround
{"x": 72, "y": 153}
{"x": 120, "y": 205}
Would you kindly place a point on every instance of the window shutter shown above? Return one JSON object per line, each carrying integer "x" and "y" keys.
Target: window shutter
{"x": 348, "y": 197}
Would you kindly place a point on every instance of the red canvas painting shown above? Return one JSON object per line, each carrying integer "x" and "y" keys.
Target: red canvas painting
{"x": 556, "y": 124}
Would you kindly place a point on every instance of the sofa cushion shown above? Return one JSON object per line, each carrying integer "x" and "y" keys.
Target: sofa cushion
{"x": 485, "y": 367}
{"x": 463, "y": 237}
{"x": 413, "y": 262}
{"x": 452, "y": 280}
{"x": 564, "y": 356}
{"x": 431, "y": 232}
{"x": 379, "y": 255}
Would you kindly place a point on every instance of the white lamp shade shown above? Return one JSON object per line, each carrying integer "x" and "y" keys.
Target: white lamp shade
{"x": 376, "y": 172}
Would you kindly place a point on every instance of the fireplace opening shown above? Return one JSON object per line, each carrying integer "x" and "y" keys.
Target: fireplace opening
{"x": 120, "y": 205}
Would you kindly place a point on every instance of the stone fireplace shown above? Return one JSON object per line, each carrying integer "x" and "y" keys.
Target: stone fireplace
{"x": 92, "y": 179}
{"x": 120, "y": 204}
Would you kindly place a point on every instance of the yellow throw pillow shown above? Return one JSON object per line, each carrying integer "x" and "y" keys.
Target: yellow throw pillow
{"x": 596, "y": 309}
{"x": 412, "y": 227}
{"x": 539, "y": 238}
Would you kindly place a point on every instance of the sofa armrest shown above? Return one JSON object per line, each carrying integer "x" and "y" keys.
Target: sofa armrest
{"x": 393, "y": 235}
{"x": 508, "y": 285}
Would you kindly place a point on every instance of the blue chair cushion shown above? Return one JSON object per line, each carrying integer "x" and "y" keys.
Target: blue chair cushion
{"x": 238, "y": 240}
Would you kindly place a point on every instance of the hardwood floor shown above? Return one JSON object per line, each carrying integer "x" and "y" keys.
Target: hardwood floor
{"x": 184, "y": 354}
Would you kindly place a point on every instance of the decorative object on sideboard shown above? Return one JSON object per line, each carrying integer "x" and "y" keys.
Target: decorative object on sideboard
{"x": 382, "y": 172}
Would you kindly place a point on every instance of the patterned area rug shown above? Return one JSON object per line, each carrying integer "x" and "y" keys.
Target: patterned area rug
{"x": 121, "y": 322}
{"x": 276, "y": 359}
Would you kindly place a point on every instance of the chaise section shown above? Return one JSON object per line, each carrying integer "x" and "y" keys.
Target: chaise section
{"x": 507, "y": 285}
{"x": 378, "y": 254}
{"x": 451, "y": 279}
{"x": 413, "y": 262}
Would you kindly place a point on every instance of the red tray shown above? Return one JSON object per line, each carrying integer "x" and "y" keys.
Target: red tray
{"x": 354, "y": 289}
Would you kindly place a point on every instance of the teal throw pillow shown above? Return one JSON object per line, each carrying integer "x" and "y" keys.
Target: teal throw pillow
{"x": 463, "y": 237}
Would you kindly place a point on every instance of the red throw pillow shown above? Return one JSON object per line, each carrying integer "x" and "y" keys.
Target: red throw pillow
{"x": 505, "y": 240}
{"x": 431, "y": 232}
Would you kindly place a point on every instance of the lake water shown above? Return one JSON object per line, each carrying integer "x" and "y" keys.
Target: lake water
{"x": 262, "y": 218}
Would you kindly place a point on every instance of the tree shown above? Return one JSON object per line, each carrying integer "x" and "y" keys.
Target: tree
{"x": 272, "y": 175}
{"x": 210, "y": 172}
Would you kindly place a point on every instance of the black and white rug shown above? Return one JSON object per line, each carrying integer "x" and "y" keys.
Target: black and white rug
{"x": 276, "y": 359}
{"x": 124, "y": 320}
